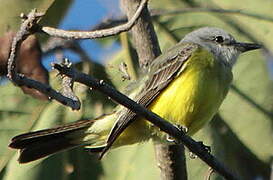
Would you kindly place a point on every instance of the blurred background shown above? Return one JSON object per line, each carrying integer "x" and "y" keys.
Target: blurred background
{"x": 240, "y": 135}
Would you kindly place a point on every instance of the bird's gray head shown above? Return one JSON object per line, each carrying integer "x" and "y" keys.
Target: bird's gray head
{"x": 220, "y": 43}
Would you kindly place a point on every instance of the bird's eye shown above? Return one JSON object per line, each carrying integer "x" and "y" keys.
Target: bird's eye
{"x": 219, "y": 39}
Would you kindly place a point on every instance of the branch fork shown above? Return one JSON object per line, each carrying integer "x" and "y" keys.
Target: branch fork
{"x": 29, "y": 26}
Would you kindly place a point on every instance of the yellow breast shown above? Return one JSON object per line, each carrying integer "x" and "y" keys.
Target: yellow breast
{"x": 195, "y": 95}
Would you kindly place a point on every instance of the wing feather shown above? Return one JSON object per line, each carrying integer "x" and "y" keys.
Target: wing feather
{"x": 162, "y": 71}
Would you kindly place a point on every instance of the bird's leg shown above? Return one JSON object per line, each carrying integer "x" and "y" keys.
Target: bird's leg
{"x": 181, "y": 128}
{"x": 204, "y": 147}
{"x": 185, "y": 130}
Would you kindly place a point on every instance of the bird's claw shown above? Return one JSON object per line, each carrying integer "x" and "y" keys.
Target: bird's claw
{"x": 182, "y": 128}
{"x": 204, "y": 147}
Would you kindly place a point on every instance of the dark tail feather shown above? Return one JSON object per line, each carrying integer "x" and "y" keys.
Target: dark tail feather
{"x": 35, "y": 145}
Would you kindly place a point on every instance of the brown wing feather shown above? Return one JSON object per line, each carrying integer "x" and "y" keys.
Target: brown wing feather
{"x": 164, "y": 69}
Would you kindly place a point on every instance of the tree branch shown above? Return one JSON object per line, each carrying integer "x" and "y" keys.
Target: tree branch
{"x": 97, "y": 33}
{"x": 47, "y": 90}
{"x": 27, "y": 28}
{"x": 143, "y": 34}
{"x": 30, "y": 26}
{"x": 170, "y": 158}
{"x": 164, "y": 125}
{"x": 109, "y": 22}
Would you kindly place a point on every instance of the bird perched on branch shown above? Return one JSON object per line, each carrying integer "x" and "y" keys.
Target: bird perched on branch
{"x": 185, "y": 85}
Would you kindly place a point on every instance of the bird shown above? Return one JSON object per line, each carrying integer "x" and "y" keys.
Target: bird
{"x": 185, "y": 85}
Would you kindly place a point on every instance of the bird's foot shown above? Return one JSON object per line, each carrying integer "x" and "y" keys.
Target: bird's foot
{"x": 204, "y": 147}
{"x": 181, "y": 128}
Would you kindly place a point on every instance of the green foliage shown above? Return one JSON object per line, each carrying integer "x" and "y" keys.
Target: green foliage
{"x": 131, "y": 162}
{"x": 11, "y": 10}
{"x": 240, "y": 136}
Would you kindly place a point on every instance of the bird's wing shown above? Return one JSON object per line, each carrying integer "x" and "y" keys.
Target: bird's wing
{"x": 162, "y": 71}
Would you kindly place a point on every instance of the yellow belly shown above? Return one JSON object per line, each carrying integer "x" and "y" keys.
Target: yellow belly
{"x": 190, "y": 100}
{"x": 194, "y": 97}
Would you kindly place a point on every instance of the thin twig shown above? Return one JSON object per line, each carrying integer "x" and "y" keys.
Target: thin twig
{"x": 55, "y": 44}
{"x": 209, "y": 173}
{"x": 47, "y": 90}
{"x": 127, "y": 57}
{"x": 27, "y": 28}
{"x": 110, "y": 22}
{"x": 164, "y": 125}
{"x": 98, "y": 33}
{"x": 30, "y": 26}
{"x": 67, "y": 84}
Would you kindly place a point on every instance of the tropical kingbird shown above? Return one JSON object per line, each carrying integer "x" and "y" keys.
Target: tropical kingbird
{"x": 185, "y": 85}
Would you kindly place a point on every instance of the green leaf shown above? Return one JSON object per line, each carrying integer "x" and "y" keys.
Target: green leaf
{"x": 48, "y": 117}
{"x": 12, "y": 122}
{"x": 242, "y": 138}
{"x": 10, "y": 19}
{"x": 131, "y": 162}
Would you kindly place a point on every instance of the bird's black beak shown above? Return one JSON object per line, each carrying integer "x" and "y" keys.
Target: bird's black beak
{"x": 243, "y": 47}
